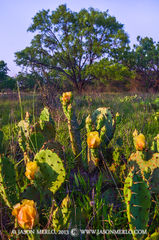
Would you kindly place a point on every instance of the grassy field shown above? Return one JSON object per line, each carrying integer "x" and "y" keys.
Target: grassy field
{"x": 99, "y": 206}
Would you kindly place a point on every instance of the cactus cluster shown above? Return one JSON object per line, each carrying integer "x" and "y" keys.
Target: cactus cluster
{"x": 45, "y": 172}
{"x": 100, "y": 128}
{"x": 32, "y": 136}
{"x": 44, "y": 169}
{"x": 73, "y": 126}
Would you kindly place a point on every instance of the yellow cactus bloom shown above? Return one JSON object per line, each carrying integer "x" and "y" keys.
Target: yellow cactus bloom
{"x": 93, "y": 139}
{"x": 66, "y": 97}
{"x": 31, "y": 169}
{"x": 117, "y": 114}
{"x": 26, "y": 214}
{"x": 139, "y": 142}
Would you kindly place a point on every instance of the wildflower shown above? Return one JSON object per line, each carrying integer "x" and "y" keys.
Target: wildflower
{"x": 93, "y": 139}
{"x": 139, "y": 141}
{"x": 66, "y": 97}
{"x": 31, "y": 169}
{"x": 26, "y": 214}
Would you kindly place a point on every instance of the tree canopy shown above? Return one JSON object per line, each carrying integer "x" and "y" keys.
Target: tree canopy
{"x": 6, "y": 82}
{"x": 3, "y": 70}
{"x": 67, "y": 43}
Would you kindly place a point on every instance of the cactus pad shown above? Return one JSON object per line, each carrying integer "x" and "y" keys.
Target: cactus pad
{"x": 8, "y": 189}
{"x": 61, "y": 215}
{"x": 52, "y": 169}
{"x": 146, "y": 163}
{"x": 154, "y": 236}
{"x": 138, "y": 201}
{"x": 47, "y": 125}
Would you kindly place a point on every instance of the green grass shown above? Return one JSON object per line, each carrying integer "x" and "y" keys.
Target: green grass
{"x": 135, "y": 114}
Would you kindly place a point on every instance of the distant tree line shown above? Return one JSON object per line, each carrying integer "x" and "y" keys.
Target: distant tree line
{"x": 6, "y": 82}
{"x": 86, "y": 49}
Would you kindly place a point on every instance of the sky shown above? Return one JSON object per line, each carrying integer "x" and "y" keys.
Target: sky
{"x": 140, "y": 17}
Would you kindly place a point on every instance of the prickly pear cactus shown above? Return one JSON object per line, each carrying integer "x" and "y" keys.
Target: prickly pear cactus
{"x": 155, "y": 144}
{"x": 8, "y": 186}
{"x": 154, "y": 236}
{"x": 46, "y": 125}
{"x": 23, "y": 134}
{"x": 54, "y": 146}
{"x": 36, "y": 141}
{"x": 146, "y": 163}
{"x": 93, "y": 142}
{"x": 73, "y": 126}
{"x": 32, "y": 137}
{"x": 52, "y": 169}
{"x": 138, "y": 201}
{"x": 61, "y": 215}
{"x": 102, "y": 122}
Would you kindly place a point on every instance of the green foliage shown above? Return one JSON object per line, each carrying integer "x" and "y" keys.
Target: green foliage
{"x": 74, "y": 34}
{"x": 6, "y": 82}
{"x": 3, "y": 70}
{"x": 108, "y": 72}
{"x": 28, "y": 81}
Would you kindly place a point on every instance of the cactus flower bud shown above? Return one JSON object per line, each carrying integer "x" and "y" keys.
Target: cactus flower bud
{"x": 118, "y": 118}
{"x": 27, "y": 116}
{"x": 135, "y": 133}
{"x": 93, "y": 139}
{"x": 26, "y": 214}
{"x": 139, "y": 142}
{"x": 66, "y": 97}
{"x": 31, "y": 169}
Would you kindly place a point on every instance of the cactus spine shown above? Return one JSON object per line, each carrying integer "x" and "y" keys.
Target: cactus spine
{"x": 138, "y": 201}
